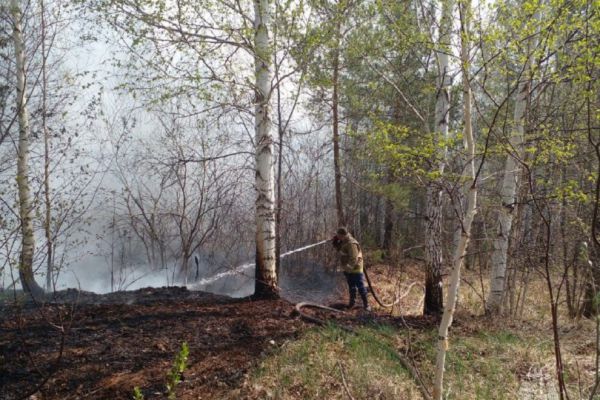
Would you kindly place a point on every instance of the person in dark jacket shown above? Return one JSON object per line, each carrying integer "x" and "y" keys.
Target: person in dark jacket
{"x": 351, "y": 260}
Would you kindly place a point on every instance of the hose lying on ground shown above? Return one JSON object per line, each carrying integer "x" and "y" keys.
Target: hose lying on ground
{"x": 377, "y": 299}
{"x": 309, "y": 318}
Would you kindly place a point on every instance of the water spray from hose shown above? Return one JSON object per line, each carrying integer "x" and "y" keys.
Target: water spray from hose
{"x": 240, "y": 269}
{"x": 304, "y": 248}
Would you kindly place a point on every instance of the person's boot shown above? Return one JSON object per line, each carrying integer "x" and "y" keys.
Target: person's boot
{"x": 365, "y": 301}
{"x": 352, "y": 299}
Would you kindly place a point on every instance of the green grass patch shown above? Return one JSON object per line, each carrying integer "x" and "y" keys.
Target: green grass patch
{"x": 481, "y": 364}
{"x": 477, "y": 368}
{"x": 316, "y": 366}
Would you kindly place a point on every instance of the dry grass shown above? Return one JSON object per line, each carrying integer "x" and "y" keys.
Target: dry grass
{"x": 316, "y": 367}
{"x": 500, "y": 358}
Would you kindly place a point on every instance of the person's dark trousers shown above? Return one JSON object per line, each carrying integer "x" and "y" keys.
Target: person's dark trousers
{"x": 355, "y": 281}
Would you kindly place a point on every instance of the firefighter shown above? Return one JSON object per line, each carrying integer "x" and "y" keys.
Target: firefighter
{"x": 351, "y": 260}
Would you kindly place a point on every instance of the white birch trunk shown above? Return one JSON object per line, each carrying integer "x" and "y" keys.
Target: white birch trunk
{"x": 266, "y": 276}
{"x": 47, "y": 202}
{"x": 433, "y": 209}
{"x": 25, "y": 207}
{"x": 461, "y": 249}
{"x": 442, "y": 101}
{"x": 508, "y": 191}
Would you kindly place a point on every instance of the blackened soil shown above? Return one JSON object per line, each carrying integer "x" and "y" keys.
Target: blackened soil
{"x": 87, "y": 346}
{"x": 81, "y": 345}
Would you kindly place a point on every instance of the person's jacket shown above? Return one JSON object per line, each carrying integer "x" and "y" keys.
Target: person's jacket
{"x": 351, "y": 257}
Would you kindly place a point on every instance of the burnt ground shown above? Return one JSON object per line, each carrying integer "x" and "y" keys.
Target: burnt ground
{"x": 109, "y": 348}
{"x": 89, "y": 346}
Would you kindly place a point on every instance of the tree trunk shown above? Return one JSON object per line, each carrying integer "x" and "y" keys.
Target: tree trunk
{"x": 266, "y": 275}
{"x": 336, "y": 135}
{"x": 589, "y": 306}
{"x": 508, "y": 195}
{"x": 433, "y": 304}
{"x": 279, "y": 176}
{"x": 517, "y": 243}
{"x": 48, "y": 219}
{"x": 185, "y": 266}
{"x": 388, "y": 226}
{"x": 25, "y": 207}
{"x": 466, "y": 222}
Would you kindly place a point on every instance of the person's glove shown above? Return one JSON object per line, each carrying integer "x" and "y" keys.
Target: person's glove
{"x": 336, "y": 242}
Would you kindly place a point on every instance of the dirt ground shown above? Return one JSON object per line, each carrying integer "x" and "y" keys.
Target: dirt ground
{"x": 110, "y": 348}
{"x": 87, "y": 346}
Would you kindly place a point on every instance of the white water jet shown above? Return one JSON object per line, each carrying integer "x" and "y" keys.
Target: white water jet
{"x": 236, "y": 270}
{"x": 303, "y": 248}
{"x": 243, "y": 267}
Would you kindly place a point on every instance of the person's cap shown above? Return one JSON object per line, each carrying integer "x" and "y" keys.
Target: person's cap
{"x": 342, "y": 231}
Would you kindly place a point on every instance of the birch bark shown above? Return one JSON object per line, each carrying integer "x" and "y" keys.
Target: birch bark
{"x": 467, "y": 220}
{"x": 47, "y": 202}
{"x": 508, "y": 191}
{"x": 25, "y": 205}
{"x": 433, "y": 304}
{"x": 266, "y": 276}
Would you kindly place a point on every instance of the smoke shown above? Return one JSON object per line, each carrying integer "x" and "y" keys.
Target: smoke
{"x": 301, "y": 277}
{"x": 308, "y": 280}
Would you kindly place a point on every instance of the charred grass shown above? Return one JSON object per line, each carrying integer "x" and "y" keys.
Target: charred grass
{"x": 111, "y": 348}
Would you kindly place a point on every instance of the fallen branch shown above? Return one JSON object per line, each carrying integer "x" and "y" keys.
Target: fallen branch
{"x": 414, "y": 374}
{"x": 344, "y": 381}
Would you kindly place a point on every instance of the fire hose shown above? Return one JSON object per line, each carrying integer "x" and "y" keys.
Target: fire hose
{"x": 406, "y": 363}
{"x": 301, "y": 305}
{"x": 375, "y": 296}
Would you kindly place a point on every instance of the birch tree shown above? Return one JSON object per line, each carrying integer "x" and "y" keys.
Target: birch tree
{"x": 25, "y": 202}
{"x": 467, "y": 217}
{"x": 508, "y": 190}
{"x": 266, "y": 276}
{"x": 203, "y": 52}
{"x": 434, "y": 198}
{"x": 46, "y": 135}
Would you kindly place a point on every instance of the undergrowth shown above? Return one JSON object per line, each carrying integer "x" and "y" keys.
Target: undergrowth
{"x": 179, "y": 366}
{"x": 174, "y": 375}
{"x": 327, "y": 363}
{"x": 497, "y": 359}
{"x": 331, "y": 363}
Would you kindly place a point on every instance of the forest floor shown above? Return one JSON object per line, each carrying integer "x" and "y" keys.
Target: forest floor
{"x": 89, "y": 346}
{"x": 82, "y": 345}
{"x": 101, "y": 347}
